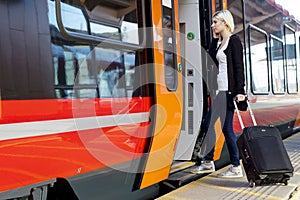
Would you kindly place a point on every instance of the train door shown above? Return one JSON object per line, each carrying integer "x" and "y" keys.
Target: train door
{"x": 195, "y": 41}
{"x": 192, "y": 80}
{"x": 168, "y": 91}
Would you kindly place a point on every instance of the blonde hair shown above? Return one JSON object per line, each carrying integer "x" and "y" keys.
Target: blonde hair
{"x": 226, "y": 17}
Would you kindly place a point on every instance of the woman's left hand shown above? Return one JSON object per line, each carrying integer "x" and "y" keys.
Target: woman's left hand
{"x": 240, "y": 97}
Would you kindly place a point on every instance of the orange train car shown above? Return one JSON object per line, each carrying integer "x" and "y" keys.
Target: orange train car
{"x": 103, "y": 99}
{"x": 86, "y": 104}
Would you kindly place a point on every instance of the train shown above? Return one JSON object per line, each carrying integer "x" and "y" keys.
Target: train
{"x": 104, "y": 99}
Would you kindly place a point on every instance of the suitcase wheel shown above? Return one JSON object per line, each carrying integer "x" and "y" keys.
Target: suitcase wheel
{"x": 285, "y": 182}
{"x": 251, "y": 183}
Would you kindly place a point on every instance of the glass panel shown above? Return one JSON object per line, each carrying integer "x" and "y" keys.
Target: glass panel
{"x": 71, "y": 71}
{"x": 167, "y": 3}
{"x": 277, "y": 66}
{"x": 127, "y": 33}
{"x": 72, "y": 77}
{"x": 87, "y": 71}
{"x": 104, "y": 31}
{"x": 291, "y": 66}
{"x": 259, "y": 61}
{"x": 169, "y": 49}
{"x": 109, "y": 69}
{"x": 72, "y": 17}
{"x": 129, "y": 62}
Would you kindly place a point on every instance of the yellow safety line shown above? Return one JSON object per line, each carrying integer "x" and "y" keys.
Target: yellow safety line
{"x": 177, "y": 198}
{"x": 171, "y": 196}
{"x": 240, "y": 191}
{"x": 180, "y": 190}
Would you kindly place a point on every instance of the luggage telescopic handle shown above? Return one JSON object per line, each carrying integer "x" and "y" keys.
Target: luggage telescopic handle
{"x": 239, "y": 115}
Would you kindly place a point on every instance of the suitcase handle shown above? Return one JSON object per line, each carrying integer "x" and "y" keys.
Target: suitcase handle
{"x": 239, "y": 115}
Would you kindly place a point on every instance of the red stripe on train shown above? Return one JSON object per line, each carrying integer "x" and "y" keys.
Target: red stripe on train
{"x": 51, "y": 109}
{"x": 36, "y": 159}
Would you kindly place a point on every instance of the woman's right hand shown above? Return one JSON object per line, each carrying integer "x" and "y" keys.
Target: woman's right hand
{"x": 240, "y": 97}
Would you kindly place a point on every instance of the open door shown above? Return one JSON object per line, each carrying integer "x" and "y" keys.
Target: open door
{"x": 191, "y": 79}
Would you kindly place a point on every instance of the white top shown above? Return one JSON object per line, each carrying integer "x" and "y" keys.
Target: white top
{"x": 222, "y": 76}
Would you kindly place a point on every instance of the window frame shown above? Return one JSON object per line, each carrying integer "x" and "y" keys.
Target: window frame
{"x": 171, "y": 88}
{"x": 273, "y": 37}
{"x": 92, "y": 41}
{"x": 285, "y": 28}
{"x": 255, "y": 28}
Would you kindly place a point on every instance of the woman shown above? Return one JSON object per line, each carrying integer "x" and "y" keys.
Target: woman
{"x": 230, "y": 82}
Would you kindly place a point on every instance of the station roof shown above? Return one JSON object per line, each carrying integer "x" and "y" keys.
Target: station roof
{"x": 282, "y": 9}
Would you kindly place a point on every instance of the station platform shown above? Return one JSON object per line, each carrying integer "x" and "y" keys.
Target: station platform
{"x": 211, "y": 187}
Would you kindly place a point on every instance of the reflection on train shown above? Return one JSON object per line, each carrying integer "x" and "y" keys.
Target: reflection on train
{"x": 103, "y": 99}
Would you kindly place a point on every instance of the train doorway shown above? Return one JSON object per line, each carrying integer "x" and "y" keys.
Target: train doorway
{"x": 192, "y": 79}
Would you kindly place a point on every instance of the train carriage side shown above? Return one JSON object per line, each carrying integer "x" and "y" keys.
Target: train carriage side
{"x": 90, "y": 100}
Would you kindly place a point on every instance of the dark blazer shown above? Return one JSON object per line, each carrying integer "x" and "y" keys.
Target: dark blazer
{"x": 235, "y": 66}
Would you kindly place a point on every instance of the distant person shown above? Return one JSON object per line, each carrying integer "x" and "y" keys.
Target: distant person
{"x": 230, "y": 82}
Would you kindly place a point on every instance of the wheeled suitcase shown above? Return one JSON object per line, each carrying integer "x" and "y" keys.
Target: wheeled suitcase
{"x": 264, "y": 157}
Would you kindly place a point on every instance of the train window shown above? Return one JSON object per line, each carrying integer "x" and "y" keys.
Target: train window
{"x": 277, "y": 65}
{"x": 115, "y": 68}
{"x": 129, "y": 28}
{"x": 127, "y": 33}
{"x": 291, "y": 66}
{"x": 114, "y": 71}
{"x": 258, "y": 57}
{"x": 104, "y": 31}
{"x": 109, "y": 69}
{"x": 72, "y": 17}
{"x": 72, "y": 77}
{"x": 84, "y": 70}
{"x": 114, "y": 21}
{"x": 129, "y": 66}
{"x": 169, "y": 45}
